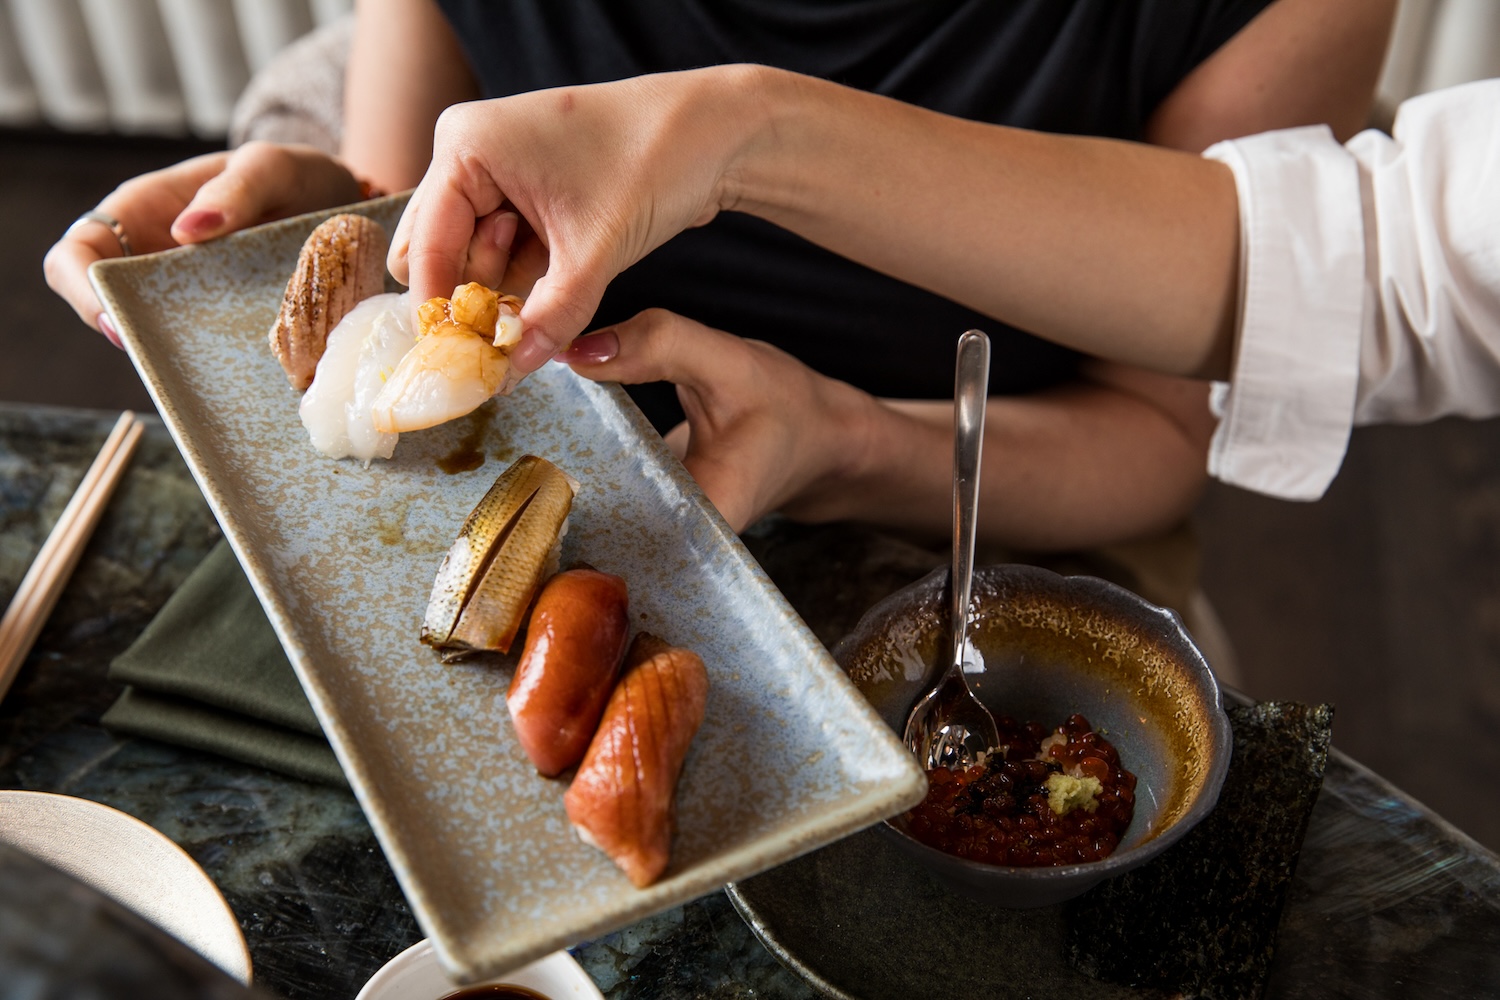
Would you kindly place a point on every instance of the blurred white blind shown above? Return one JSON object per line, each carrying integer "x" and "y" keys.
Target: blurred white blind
{"x": 1438, "y": 43}
{"x": 168, "y": 67}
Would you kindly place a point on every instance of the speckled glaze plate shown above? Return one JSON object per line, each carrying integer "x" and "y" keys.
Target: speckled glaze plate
{"x": 790, "y": 756}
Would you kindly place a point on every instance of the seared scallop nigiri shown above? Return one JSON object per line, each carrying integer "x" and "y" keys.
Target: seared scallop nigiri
{"x": 622, "y": 799}
{"x": 575, "y": 640}
{"x": 460, "y": 359}
{"x": 341, "y": 264}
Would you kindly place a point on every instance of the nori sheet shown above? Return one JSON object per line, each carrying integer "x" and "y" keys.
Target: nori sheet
{"x": 1201, "y": 919}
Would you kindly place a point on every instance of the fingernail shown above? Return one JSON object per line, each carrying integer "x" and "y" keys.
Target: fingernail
{"x": 503, "y": 234}
{"x": 107, "y": 327}
{"x": 534, "y": 350}
{"x": 204, "y": 220}
{"x": 594, "y": 349}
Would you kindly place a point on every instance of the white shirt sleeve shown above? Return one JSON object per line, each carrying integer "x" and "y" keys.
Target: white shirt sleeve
{"x": 1370, "y": 287}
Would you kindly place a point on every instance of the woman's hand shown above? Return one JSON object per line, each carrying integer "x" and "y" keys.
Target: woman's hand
{"x": 763, "y": 432}
{"x": 194, "y": 201}
{"x": 599, "y": 177}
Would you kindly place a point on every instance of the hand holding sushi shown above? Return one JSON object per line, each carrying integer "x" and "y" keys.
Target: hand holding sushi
{"x": 598, "y": 175}
{"x": 193, "y": 201}
{"x": 987, "y": 216}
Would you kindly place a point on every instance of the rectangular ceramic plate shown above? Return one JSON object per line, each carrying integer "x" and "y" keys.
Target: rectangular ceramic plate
{"x": 789, "y": 757}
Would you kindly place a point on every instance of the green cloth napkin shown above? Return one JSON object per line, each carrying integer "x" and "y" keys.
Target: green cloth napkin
{"x": 209, "y": 673}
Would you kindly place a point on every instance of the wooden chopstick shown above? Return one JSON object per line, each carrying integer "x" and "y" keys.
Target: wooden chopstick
{"x": 54, "y": 564}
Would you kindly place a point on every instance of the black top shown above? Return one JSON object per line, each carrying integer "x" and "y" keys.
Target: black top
{"x": 1095, "y": 67}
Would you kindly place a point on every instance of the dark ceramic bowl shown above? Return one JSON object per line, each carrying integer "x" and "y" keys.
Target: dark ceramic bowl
{"x": 1052, "y": 646}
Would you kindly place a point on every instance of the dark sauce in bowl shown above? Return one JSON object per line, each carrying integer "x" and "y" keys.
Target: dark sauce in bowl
{"x": 498, "y": 992}
{"x": 1028, "y": 806}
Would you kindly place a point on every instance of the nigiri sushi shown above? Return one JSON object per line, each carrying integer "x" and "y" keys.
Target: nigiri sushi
{"x": 506, "y": 547}
{"x": 461, "y": 358}
{"x": 622, "y": 799}
{"x": 360, "y": 355}
{"x": 341, "y": 264}
{"x": 575, "y": 641}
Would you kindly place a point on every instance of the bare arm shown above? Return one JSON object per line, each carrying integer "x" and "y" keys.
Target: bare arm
{"x": 405, "y": 68}
{"x": 1118, "y": 249}
{"x": 1085, "y": 464}
{"x": 1121, "y": 250}
{"x": 764, "y": 433}
{"x": 1300, "y": 62}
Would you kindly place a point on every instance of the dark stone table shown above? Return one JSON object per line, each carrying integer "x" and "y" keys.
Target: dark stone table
{"x": 1388, "y": 900}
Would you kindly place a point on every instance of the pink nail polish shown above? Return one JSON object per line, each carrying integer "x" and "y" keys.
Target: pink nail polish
{"x": 107, "y": 327}
{"x": 204, "y": 220}
{"x": 595, "y": 349}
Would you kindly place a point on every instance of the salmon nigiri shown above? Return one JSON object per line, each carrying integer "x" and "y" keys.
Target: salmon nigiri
{"x": 621, "y": 800}
{"x": 575, "y": 641}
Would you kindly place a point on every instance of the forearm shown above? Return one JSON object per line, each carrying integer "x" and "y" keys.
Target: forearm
{"x": 405, "y": 68}
{"x": 1120, "y": 250}
{"x": 1079, "y": 466}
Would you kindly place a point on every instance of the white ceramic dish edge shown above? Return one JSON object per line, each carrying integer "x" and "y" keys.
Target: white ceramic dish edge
{"x": 416, "y": 974}
{"x": 132, "y": 863}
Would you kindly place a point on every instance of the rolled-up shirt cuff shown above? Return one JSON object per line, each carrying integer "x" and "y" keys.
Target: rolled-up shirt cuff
{"x": 1288, "y": 408}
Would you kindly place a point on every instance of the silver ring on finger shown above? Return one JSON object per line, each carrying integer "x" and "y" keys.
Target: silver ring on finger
{"x": 108, "y": 222}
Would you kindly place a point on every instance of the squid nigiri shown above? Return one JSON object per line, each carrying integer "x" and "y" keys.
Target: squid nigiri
{"x": 575, "y": 641}
{"x": 622, "y": 799}
{"x": 360, "y": 355}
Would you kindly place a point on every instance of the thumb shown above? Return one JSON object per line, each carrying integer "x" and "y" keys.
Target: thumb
{"x": 657, "y": 346}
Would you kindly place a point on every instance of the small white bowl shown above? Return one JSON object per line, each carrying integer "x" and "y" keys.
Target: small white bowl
{"x": 415, "y": 974}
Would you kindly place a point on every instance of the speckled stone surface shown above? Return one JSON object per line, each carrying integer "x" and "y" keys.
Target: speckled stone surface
{"x": 1388, "y": 900}
{"x": 1203, "y": 918}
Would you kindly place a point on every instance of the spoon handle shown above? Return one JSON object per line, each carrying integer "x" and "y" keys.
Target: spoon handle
{"x": 970, "y": 392}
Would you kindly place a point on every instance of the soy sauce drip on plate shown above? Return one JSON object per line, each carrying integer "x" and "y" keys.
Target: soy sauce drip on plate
{"x": 467, "y": 456}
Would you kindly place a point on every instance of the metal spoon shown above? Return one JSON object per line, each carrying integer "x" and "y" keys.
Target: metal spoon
{"x": 948, "y": 727}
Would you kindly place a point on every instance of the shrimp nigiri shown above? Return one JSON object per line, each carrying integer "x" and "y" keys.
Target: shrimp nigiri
{"x": 460, "y": 359}
{"x": 622, "y": 799}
